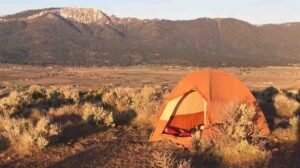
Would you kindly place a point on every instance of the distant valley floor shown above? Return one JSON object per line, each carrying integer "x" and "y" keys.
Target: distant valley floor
{"x": 91, "y": 77}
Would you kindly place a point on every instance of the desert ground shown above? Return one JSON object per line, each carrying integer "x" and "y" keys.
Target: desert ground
{"x": 103, "y": 116}
{"x": 256, "y": 78}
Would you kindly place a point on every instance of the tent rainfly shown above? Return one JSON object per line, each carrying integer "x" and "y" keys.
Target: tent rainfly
{"x": 195, "y": 101}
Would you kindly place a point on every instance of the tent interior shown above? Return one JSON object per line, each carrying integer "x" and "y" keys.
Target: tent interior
{"x": 184, "y": 114}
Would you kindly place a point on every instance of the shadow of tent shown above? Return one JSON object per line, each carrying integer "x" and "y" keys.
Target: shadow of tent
{"x": 288, "y": 155}
{"x": 266, "y": 103}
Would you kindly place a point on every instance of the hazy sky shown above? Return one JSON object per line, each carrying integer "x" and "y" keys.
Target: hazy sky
{"x": 254, "y": 11}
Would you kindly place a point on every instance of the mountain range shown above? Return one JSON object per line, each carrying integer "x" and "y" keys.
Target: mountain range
{"x": 84, "y": 36}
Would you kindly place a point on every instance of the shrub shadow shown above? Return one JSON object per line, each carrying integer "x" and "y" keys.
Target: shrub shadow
{"x": 73, "y": 128}
{"x": 123, "y": 117}
{"x": 200, "y": 160}
{"x": 99, "y": 154}
{"x": 87, "y": 157}
{"x": 4, "y": 143}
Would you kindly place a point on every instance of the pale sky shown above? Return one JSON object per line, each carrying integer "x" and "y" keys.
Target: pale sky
{"x": 253, "y": 11}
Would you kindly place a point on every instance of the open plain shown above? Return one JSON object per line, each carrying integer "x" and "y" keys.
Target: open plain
{"x": 103, "y": 117}
{"x": 25, "y": 75}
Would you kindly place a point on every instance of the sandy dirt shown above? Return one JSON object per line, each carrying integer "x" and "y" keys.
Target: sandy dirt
{"x": 255, "y": 78}
{"x": 111, "y": 148}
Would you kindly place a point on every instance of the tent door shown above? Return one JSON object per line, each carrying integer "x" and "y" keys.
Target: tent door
{"x": 188, "y": 112}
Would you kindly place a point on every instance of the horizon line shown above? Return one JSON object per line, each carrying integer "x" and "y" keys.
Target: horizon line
{"x": 161, "y": 19}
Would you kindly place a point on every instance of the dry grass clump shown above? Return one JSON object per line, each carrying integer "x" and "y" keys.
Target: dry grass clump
{"x": 147, "y": 102}
{"x": 289, "y": 134}
{"x": 36, "y": 92}
{"x": 242, "y": 154}
{"x": 167, "y": 160}
{"x": 119, "y": 98}
{"x": 15, "y": 102}
{"x": 55, "y": 97}
{"x": 241, "y": 145}
{"x": 287, "y": 122}
{"x": 143, "y": 101}
{"x": 21, "y": 102}
{"x": 240, "y": 121}
{"x": 92, "y": 96}
{"x": 70, "y": 93}
{"x": 285, "y": 106}
{"x": 64, "y": 110}
{"x": 97, "y": 115}
{"x": 125, "y": 103}
{"x": 24, "y": 135}
{"x": 26, "y": 114}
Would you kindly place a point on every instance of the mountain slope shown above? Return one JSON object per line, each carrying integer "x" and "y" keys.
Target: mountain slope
{"x": 79, "y": 36}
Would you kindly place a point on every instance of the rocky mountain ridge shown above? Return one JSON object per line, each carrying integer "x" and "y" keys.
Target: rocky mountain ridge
{"x": 84, "y": 36}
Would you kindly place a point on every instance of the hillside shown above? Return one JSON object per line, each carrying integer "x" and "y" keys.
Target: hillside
{"x": 80, "y": 36}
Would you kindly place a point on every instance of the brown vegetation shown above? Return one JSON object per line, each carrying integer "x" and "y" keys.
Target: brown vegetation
{"x": 241, "y": 143}
{"x": 27, "y": 116}
{"x": 38, "y": 119}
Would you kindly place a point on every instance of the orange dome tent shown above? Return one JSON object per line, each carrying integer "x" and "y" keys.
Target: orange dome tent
{"x": 193, "y": 102}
